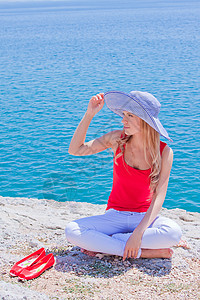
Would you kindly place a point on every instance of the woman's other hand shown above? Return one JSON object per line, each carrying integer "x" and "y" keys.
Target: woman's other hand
{"x": 95, "y": 104}
{"x": 132, "y": 245}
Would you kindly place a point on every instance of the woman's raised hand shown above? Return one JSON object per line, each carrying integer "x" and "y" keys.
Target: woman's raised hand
{"x": 95, "y": 104}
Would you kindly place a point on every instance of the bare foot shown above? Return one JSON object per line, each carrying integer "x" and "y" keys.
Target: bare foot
{"x": 90, "y": 253}
{"x": 184, "y": 244}
{"x": 157, "y": 253}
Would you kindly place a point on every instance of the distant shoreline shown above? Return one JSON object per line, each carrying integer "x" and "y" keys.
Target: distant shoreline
{"x": 70, "y": 4}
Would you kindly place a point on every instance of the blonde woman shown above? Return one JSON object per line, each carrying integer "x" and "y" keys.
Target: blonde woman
{"x": 131, "y": 225}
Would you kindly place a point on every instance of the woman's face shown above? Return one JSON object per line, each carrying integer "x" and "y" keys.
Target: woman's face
{"x": 131, "y": 123}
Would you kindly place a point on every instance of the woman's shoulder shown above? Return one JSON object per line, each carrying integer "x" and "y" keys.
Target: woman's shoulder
{"x": 167, "y": 160}
{"x": 114, "y": 137}
{"x": 116, "y": 134}
{"x": 166, "y": 152}
{"x": 164, "y": 146}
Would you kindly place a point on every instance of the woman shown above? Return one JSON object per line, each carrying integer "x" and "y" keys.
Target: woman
{"x": 130, "y": 226}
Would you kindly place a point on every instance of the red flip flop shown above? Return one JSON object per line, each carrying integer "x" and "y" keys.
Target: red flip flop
{"x": 38, "y": 268}
{"x": 27, "y": 262}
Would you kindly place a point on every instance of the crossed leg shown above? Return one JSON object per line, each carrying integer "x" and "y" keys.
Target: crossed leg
{"x": 109, "y": 233}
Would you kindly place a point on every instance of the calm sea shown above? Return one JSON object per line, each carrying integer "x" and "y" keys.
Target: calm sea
{"x": 55, "y": 55}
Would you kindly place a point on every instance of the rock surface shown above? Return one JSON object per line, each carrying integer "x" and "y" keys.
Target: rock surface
{"x": 29, "y": 224}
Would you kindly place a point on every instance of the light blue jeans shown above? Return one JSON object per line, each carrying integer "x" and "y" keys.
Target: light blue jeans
{"x": 108, "y": 233}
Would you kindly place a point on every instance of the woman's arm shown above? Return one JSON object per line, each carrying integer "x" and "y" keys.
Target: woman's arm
{"x": 133, "y": 243}
{"x": 78, "y": 146}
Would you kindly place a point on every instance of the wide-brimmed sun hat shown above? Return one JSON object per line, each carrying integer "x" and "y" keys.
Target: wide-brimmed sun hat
{"x": 142, "y": 104}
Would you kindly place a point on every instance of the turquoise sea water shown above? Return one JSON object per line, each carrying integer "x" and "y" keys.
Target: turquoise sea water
{"x": 54, "y": 57}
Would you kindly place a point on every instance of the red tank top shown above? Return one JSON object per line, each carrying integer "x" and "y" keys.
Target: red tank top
{"x": 131, "y": 187}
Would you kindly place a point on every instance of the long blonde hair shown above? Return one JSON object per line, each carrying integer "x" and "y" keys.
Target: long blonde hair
{"x": 152, "y": 146}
